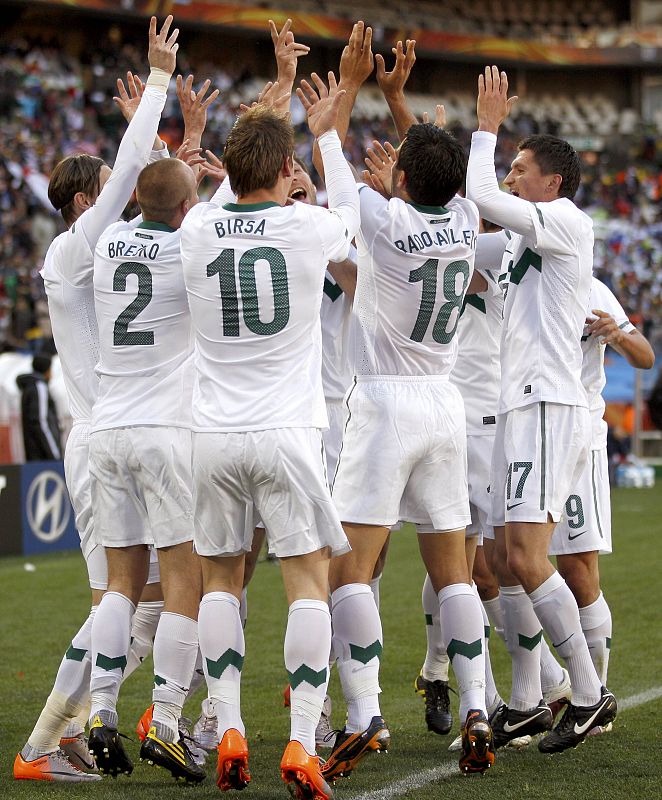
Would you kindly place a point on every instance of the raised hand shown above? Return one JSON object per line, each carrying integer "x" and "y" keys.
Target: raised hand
{"x": 271, "y": 96}
{"x": 380, "y": 163}
{"x": 493, "y": 104}
{"x": 162, "y": 52}
{"x": 439, "y": 117}
{"x": 212, "y": 168}
{"x": 194, "y": 105}
{"x": 287, "y": 52}
{"x": 321, "y": 106}
{"x": 605, "y": 328}
{"x": 357, "y": 61}
{"x": 393, "y": 83}
{"x": 128, "y": 97}
{"x": 190, "y": 155}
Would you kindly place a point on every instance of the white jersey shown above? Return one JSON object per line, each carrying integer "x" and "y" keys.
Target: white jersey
{"x": 477, "y": 370}
{"x": 414, "y": 266}
{"x": 68, "y": 266}
{"x": 549, "y": 280}
{"x": 145, "y": 337}
{"x": 336, "y": 318}
{"x": 593, "y": 365}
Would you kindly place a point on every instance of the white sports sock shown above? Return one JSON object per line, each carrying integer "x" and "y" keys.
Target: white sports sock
{"x": 243, "y": 608}
{"x": 111, "y": 634}
{"x": 595, "y": 620}
{"x": 78, "y": 723}
{"x": 462, "y": 633}
{"x": 436, "y": 664}
{"x": 222, "y": 647}
{"x": 523, "y": 637}
{"x": 551, "y": 672}
{"x": 175, "y": 652}
{"x": 198, "y": 677}
{"x": 143, "y": 631}
{"x": 557, "y": 610}
{"x": 374, "y": 588}
{"x": 491, "y": 692}
{"x": 70, "y": 693}
{"x": 307, "y": 648}
{"x": 495, "y": 615}
{"x": 357, "y": 643}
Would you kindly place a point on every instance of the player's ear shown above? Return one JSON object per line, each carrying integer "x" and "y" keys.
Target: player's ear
{"x": 554, "y": 184}
{"x": 288, "y": 167}
{"x": 83, "y": 201}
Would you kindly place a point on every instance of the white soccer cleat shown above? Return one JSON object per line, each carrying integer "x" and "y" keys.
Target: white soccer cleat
{"x": 205, "y": 730}
{"x": 324, "y": 730}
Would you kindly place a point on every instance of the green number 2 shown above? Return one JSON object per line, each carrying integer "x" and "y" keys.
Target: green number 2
{"x": 427, "y": 273}
{"x": 224, "y": 267}
{"x": 121, "y": 333}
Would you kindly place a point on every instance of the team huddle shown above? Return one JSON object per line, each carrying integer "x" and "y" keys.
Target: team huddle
{"x": 428, "y": 349}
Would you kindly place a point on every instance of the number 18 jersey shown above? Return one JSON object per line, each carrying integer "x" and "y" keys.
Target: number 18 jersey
{"x": 414, "y": 267}
{"x": 254, "y": 275}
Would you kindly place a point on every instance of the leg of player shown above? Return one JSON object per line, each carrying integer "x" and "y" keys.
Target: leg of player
{"x": 357, "y": 644}
{"x": 432, "y": 681}
{"x": 461, "y": 620}
{"x": 555, "y": 606}
{"x": 307, "y": 649}
{"x": 378, "y": 572}
{"x": 175, "y": 653}
{"x": 128, "y": 569}
{"x": 222, "y": 647}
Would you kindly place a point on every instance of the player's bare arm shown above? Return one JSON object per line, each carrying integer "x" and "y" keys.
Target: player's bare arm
{"x": 633, "y": 345}
{"x": 393, "y": 83}
{"x": 344, "y": 274}
{"x": 493, "y": 104}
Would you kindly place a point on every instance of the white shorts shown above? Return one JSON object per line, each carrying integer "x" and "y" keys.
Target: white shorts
{"x": 141, "y": 486}
{"x": 403, "y": 454}
{"x": 332, "y": 436}
{"x": 479, "y": 460}
{"x": 539, "y": 453}
{"x": 281, "y": 472}
{"x": 586, "y": 522}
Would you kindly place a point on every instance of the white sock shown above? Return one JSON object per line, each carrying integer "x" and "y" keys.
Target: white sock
{"x": 374, "y": 588}
{"x": 243, "y": 608}
{"x": 198, "y": 677}
{"x": 523, "y": 637}
{"x": 357, "y": 643}
{"x": 307, "y": 648}
{"x": 111, "y": 634}
{"x": 175, "y": 652}
{"x": 462, "y": 633}
{"x": 595, "y": 620}
{"x": 143, "y": 631}
{"x": 222, "y": 647}
{"x": 78, "y": 723}
{"x": 551, "y": 672}
{"x": 557, "y": 610}
{"x": 70, "y": 693}
{"x": 436, "y": 664}
{"x": 495, "y": 615}
{"x": 491, "y": 692}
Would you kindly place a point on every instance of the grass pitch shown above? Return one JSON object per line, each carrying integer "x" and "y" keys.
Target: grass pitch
{"x": 44, "y": 608}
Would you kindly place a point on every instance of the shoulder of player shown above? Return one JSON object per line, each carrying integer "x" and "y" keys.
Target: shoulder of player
{"x": 563, "y": 210}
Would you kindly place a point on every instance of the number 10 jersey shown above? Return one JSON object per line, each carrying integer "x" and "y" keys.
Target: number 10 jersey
{"x": 414, "y": 266}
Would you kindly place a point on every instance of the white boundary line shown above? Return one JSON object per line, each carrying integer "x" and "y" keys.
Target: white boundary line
{"x": 426, "y": 776}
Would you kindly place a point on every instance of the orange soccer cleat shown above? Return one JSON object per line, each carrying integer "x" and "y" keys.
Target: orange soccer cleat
{"x": 303, "y": 774}
{"x": 232, "y": 771}
{"x": 51, "y": 767}
{"x": 145, "y": 723}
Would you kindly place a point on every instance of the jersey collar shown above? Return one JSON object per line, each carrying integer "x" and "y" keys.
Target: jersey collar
{"x": 250, "y": 206}
{"x": 428, "y": 209}
{"x": 156, "y": 226}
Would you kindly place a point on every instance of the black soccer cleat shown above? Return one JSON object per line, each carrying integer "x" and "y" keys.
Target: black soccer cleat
{"x": 350, "y": 748}
{"x": 438, "y": 714}
{"x": 173, "y": 756}
{"x": 508, "y": 724}
{"x": 105, "y": 744}
{"x": 576, "y": 723}
{"x": 477, "y": 744}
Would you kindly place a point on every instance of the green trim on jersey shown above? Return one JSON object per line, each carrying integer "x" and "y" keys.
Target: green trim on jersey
{"x": 156, "y": 226}
{"x": 596, "y": 504}
{"x": 250, "y": 206}
{"x": 543, "y": 455}
{"x": 540, "y": 217}
{"x": 428, "y": 209}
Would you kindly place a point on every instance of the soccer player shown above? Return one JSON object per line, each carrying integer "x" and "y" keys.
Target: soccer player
{"x": 404, "y": 431}
{"x": 254, "y": 271}
{"x": 543, "y": 432}
{"x": 90, "y": 197}
{"x": 585, "y": 530}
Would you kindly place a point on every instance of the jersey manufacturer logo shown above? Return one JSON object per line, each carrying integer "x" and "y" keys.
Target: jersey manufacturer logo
{"x": 514, "y": 505}
{"x": 527, "y": 389}
{"x": 556, "y": 646}
{"x": 47, "y": 506}
{"x": 489, "y": 420}
{"x": 571, "y": 536}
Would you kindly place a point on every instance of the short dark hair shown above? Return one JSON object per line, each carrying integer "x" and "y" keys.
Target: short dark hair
{"x": 555, "y": 156}
{"x": 161, "y": 188}
{"x": 434, "y": 163}
{"x": 256, "y": 148}
{"x": 41, "y": 363}
{"x": 73, "y": 174}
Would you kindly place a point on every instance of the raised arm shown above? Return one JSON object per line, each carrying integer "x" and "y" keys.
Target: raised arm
{"x": 128, "y": 99}
{"x": 136, "y": 143}
{"x": 393, "y": 83}
{"x": 194, "y": 107}
{"x": 287, "y": 53}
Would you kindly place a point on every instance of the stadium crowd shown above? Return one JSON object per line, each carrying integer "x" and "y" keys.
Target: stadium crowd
{"x": 52, "y": 104}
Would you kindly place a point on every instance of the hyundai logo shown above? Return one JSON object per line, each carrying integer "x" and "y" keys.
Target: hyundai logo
{"x": 48, "y": 508}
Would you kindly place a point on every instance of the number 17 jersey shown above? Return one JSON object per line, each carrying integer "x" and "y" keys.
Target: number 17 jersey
{"x": 414, "y": 266}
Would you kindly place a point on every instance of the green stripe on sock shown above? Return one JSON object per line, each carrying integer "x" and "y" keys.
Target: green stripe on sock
{"x": 111, "y": 663}
{"x": 307, "y": 674}
{"x": 75, "y": 653}
{"x": 529, "y": 642}
{"x": 467, "y": 649}
{"x": 365, "y": 654}
{"x": 229, "y": 657}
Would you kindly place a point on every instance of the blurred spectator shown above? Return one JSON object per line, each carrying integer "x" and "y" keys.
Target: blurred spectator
{"x": 41, "y": 430}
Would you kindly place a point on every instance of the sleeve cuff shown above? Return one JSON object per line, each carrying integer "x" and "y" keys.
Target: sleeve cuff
{"x": 484, "y": 136}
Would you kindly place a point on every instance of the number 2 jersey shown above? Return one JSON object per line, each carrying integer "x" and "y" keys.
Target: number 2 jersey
{"x": 414, "y": 266}
{"x": 145, "y": 337}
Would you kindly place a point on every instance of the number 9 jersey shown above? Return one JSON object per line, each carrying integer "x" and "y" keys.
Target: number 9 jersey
{"x": 145, "y": 335}
{"x": 414, "y": 266}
